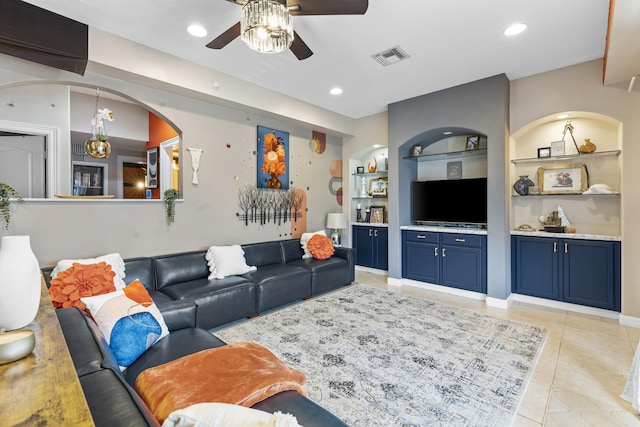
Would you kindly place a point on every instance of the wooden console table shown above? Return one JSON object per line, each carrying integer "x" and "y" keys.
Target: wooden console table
{"x": 43, "y": 388}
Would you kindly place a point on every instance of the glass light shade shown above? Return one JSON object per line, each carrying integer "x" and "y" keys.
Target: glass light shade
{"x": 266, "y": 26}
{"x": 97, "y": 149}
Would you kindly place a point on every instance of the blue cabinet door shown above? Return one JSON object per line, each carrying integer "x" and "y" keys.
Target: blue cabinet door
{"x": 536, "y": 267}
{"x": 589, "y": 273}
{"x": 363, "y": 244}
{"x": 421, "y": 256}
{"x": 381, "y": 248}
{"x": 462, "y": 268}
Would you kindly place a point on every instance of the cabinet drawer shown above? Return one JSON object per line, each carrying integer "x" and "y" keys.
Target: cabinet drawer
{"x": 470, "y": 240}
{"x": 418, "y": 236}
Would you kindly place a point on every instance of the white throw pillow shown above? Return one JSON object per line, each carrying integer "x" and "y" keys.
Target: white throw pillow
{"x": 304, "y": 239}
{"x": 226, "y": 261}
{"x": 114, "y": 260}
{"x": 212, "y": 414}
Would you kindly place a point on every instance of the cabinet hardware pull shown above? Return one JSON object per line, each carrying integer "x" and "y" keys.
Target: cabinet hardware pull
{"x": 370, "y": 232}
{"x": 566, "y": 247}
{"x": 444, "y": 252}
{"x": 375, "y": 233}
{"x": 435, "y": 251}
{"x": 420, "y": 236}
{"x": 555, "y": 247}
{"x": 461, "y": 240}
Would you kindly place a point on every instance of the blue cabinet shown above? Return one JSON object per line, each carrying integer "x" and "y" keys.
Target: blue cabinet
{"x": 448, "y": 259}
{"x": 372, "y": 246}
{"x": 585, "y": 272}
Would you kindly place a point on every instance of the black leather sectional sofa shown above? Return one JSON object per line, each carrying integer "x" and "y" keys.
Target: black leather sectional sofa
{"x": 191, "y": 304}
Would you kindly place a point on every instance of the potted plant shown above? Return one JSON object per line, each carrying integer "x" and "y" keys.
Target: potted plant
{"x": 6, "y": 194}
{"x": 169, "y": 198}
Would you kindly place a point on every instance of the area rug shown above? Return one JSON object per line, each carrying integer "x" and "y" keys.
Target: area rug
{"x": 380, "y": 358}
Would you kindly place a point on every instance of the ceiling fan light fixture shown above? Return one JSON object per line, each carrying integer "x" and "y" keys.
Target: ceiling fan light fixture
{"x": 266, "y": 26}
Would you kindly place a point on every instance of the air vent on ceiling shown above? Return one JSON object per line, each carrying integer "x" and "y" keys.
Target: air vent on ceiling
{"x": 390, "y": 56}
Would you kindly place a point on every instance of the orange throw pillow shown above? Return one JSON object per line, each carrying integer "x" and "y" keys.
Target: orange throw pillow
{"x": 81, "y": 280}
{"x": 320, "y": 247}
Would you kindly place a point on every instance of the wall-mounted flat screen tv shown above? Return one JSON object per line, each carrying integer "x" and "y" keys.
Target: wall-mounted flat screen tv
{"x": 449, "y": 202}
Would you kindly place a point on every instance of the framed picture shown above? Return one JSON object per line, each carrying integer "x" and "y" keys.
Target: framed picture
{"x": 152, "y": 167}
{"x": 563, "y": 179}
{"x": 454, "y": 170}
{"x": 377, "y": 215}
{"x": 379, "y": 187}
{"x": 557, "y": 148}
{"x": 416, "y": 150}
{"x": 360, "y": 169}
{"x": 473, "y": 142}
{"x": 273, "y": 159}
{"x": 544, "y": 152}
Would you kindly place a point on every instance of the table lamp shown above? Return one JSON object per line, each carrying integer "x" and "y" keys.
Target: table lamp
{"x": 336, "y": 221}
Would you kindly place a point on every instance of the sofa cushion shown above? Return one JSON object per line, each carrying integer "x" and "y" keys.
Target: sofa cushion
{"x": 320, "y": 247}
{"x": 218, "y": 301}
{"x": 264, "y": 253}
{"x": 114, "y": 260}
{"x": 304, "y": 239}
{"x": 307, "y": 412}
{"x": 215, "y": 414}
{"x": 141, "y": 269}
{"x": 291, "y": 249}
{"x": 129, "y": 320}
{"x": 279, "y": 284}
{"x": 179, "y": 268}
{"x": 87, "y": 346}
{"x": 327, "y": 274}
{"x": 177, "y": 344}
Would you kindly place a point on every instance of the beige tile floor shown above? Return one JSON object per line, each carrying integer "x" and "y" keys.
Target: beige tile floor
{"x": 582, "y": 369}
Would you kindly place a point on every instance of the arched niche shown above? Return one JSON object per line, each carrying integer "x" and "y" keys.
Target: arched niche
{"x": 56, "y": 118}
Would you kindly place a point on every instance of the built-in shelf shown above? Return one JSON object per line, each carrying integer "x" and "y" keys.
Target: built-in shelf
{"x": 371, "y": 174}
{"x": 567, "y": 157}
{"x": 566, "y": 195}
{"x": 369, "y": 197}
{"x": 451, "y": 154}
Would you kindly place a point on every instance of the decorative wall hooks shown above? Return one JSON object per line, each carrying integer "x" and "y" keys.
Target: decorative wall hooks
{"x": 265, "y": 206}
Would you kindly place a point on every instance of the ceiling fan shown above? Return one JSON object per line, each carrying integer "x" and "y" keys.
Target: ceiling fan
{"x": 266, "y": 26}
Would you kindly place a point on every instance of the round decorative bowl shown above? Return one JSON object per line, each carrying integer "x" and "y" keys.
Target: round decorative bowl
{"x": 15, "y": 345}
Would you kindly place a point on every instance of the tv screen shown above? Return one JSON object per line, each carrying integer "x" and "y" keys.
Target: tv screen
{"x": 449, "y": 202}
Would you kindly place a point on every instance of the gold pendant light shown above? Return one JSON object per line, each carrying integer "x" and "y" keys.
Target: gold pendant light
{"x": 98, "y": 145}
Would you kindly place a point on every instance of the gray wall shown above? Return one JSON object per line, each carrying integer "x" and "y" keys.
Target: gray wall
{"x": 483, "y": 107}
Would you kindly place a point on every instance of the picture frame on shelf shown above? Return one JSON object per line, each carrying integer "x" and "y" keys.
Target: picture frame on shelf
{"x": 557, "y": 148}
{"x": 416, "y": 150}
{"x": 378, "y": 187}
{"x": 544, "y": 152}
{"x": 360, "y": 169}
{"x": 473, "y": 143}
{"x": 376, "y": 215}
{"x": 563, "y": 179}
{"x": 152, "y": 167}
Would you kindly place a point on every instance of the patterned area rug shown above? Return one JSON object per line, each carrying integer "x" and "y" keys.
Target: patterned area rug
{"x": 380, "y": 358}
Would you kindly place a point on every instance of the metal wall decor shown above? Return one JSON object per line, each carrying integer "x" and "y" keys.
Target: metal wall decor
{"x": 268, "y": 206}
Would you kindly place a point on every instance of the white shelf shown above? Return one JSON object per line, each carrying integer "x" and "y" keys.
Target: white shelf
{"x": 451, "y": 154}
{"x": 566, "y": 157}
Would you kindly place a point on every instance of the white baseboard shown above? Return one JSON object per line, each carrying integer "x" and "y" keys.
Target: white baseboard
{"x": 371, "y": 270}
{"x": 498, "y": 302}
{"x": 394, "y": 282}
{"x": 440, "y": 288}
{"x": 567, "y": 306}
{"x": 632, "y": 322}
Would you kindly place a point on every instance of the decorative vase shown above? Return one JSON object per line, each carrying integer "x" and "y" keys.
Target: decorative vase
{"x": 20, "y": 283}
{"x": 274, "y": 182}
{"x": 522, "y": 185}
{"x": 588, "y": 147}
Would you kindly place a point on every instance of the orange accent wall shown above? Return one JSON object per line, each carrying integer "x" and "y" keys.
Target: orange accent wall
{"x": 159, "y": 131}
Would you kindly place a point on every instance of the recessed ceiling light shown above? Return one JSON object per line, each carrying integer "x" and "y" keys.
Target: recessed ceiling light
{"x": 336, "y": 91}
{"x": 447, "y": 132}
{"x": 197, "y": 30}
{"x": 562, "y": 116}
{"x": 515, "y": 29}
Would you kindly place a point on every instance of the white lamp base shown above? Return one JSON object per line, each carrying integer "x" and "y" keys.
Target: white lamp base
{"x": 335, "y": 237}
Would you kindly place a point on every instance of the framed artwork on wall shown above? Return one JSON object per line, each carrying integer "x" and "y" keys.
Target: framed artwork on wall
{"x": 152, "y": 167}
{"x": 544, "y": 152}
{"x": 273, "y": 159}
{"x": 563, "y": 179}
{"x": 473, "y": 142}
{"x": 557, "y": 148}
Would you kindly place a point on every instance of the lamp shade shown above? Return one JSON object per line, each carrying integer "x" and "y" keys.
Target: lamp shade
{"x": 336, "y": 220}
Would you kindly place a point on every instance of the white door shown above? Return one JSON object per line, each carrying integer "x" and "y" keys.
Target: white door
{"x": 22, "y": 164}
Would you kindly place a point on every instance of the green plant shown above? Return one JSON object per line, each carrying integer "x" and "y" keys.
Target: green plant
{"x": 6, "y": 194}
{"x": 169, "y": 198}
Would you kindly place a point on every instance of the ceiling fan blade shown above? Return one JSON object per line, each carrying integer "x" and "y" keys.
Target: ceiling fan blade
{"x": 299, "y": 48}
{"x": 328, "y": 7}
{"x": 225, "y": 38}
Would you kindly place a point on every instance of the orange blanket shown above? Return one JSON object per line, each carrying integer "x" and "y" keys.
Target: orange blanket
{"x": 242, "y": 373}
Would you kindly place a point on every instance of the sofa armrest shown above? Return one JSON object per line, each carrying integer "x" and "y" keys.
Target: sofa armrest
{"x": 178, "y": 314}
{"x": 350, "y": 255}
